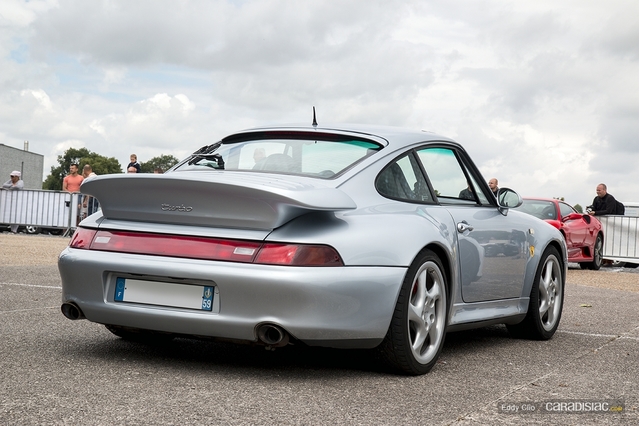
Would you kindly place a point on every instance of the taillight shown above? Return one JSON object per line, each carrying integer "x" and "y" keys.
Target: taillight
{"x": 82, "y": 238}
{"x": 206, "y": 248}
{"x": 175, "y": 246}
{"x": 298, "y": 255}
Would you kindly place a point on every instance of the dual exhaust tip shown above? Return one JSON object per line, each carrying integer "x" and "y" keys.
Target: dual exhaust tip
{"x": 271, "y": 335}
{"x": 72, "y": 311}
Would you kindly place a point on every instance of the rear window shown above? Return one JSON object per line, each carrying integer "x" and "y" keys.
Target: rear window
{"x": 307, "y": 157}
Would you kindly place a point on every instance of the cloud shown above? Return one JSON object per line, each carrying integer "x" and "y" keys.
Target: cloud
{"x": 542, "y": 94}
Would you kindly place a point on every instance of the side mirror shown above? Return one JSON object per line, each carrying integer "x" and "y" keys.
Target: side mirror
{"x": 576, "y": 216}
{"x": 572, "y": 216}
{"x": 508, "y": 199}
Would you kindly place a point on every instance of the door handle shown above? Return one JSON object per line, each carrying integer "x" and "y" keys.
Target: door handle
{"x": 463, "y": 226}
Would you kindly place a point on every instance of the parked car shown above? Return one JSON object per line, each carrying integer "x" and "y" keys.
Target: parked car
{"x": 32, "y": 229}
{"x": 583, "y": 233}
{"x": 335, "y": 236}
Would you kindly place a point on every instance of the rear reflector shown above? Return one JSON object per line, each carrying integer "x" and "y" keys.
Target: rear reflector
{"x": 206, "y": 248}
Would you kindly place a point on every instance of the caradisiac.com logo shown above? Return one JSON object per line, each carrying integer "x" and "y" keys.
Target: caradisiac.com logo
{"x": 562, "y": 407}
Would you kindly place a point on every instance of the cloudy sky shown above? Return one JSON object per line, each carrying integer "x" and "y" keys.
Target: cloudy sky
{"x": 544, "y": 94}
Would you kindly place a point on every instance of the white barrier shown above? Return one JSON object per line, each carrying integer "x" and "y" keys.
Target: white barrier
{"x": 621, "y": 238}
{"x": 47, "y": 209}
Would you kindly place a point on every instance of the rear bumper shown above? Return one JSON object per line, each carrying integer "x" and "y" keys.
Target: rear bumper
{"x": 343, "y": 306}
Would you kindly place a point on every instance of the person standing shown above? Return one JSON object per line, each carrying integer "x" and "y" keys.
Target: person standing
{"x": 493, "y": 184}
{"x": 14, "y": 184}
{"x": 87, "y": 172}
{"x": 72, "y": 182}
{"x": 134, "y": 163}
{"x": 466, "y": 194}
{"x": 604, "y": 203}
{"x": 89, "y": 204}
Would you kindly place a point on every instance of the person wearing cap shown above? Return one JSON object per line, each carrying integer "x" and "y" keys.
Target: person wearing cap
{"x": 14, "y": 184}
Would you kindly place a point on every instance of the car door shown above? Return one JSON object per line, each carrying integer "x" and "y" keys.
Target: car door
{"x": 492, "y": 247}
{"x": 575, "y": 230}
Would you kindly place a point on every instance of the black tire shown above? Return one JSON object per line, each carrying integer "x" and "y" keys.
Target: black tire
{"x": 597, "y": 255}
{"x": 546, "y": 300}
{"x": 417, "y": 331}
{"x": 137, "y": 335}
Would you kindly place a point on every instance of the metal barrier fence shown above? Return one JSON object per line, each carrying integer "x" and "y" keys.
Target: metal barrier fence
{"x": 63, "y": 210}
{"x": 44, "y": 209}
{"x": 621, "y": 238}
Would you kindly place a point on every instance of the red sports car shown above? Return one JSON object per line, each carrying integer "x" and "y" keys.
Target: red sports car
{"x": 583, "y": 233}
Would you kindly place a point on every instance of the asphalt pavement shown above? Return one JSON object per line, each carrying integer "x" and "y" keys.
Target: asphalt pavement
{"x": 57, "y": 371}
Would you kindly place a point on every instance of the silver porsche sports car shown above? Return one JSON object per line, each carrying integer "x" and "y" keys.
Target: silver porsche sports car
{"x": 337, "y": 236}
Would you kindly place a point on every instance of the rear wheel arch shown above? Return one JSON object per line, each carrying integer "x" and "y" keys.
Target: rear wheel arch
{"x": 444, "y": 258}
{"x": 447, "y": 265}
{"x": 417, "y": 330}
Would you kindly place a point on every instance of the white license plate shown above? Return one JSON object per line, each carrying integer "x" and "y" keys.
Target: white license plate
{"x": 164, "y": 294}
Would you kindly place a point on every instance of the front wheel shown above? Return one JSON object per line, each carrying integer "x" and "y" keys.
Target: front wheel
{"x": 546, "y": 300}
{"x": 416, "y": 334}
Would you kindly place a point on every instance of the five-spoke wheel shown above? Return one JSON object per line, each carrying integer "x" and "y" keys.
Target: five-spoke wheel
{"x": 418, "y": 327}
{"x": 546, "y": 299}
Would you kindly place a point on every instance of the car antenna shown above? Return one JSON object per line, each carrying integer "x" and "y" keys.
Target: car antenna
{"x": 314, "y": 118}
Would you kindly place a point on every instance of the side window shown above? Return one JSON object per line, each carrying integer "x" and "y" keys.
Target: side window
{"x": 447, "y": 177}
{"x": 403, "y": 180}
{"x": 565, "y": 209}
{"x": 480, "y": 194}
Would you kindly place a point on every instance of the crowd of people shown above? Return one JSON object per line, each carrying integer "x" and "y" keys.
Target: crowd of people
{"x": 71, "y": 184}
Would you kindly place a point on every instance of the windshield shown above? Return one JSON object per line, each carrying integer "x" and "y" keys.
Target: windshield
{"x": 306, "y": 157}
{"x": 539, "y": 208}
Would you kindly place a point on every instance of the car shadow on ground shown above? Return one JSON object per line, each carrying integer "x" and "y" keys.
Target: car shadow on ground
{"x": 293, "y": 360}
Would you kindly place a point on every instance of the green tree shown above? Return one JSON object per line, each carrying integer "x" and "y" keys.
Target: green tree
{"x": 101, "y": 166}
{"x": 578, "y": 208}
{"x": 164, "y": 162}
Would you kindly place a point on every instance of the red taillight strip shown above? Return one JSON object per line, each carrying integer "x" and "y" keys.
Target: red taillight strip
{"x": 175, "y": 246}
{"x": 206, "y": 248}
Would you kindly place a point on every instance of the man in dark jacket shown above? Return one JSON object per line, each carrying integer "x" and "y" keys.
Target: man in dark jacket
{"x": 603, "y": 203}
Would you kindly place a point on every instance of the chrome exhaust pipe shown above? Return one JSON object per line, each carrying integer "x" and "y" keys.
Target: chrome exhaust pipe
{"x": 272, "y": 335}
{"x": 71, "y": 311}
